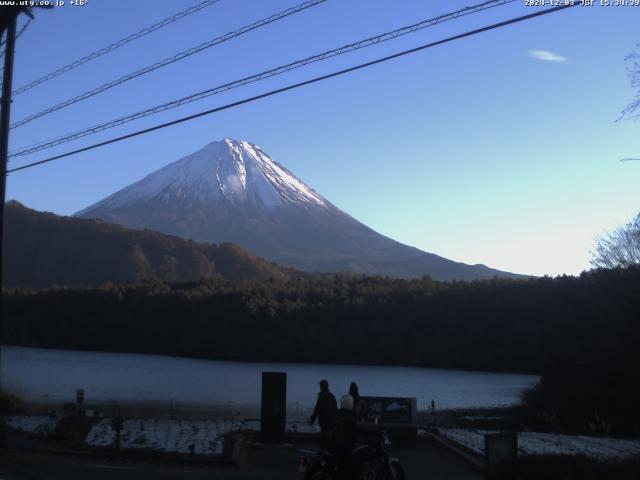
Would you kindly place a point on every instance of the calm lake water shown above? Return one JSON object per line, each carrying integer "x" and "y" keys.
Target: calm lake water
{"x": 51, "y": 377}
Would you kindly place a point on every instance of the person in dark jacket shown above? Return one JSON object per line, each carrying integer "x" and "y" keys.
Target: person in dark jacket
{"x": 324, "y": 411}
{"x": 353, "y": 391}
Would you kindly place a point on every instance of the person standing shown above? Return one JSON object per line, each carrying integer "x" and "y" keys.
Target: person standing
{"x": 432, "y": 415}
{"x": 359, "y": 405}
{"x": 324, "y": 411}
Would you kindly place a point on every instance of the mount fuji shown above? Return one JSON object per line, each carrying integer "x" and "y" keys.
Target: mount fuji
{"x": 232, "y": 191}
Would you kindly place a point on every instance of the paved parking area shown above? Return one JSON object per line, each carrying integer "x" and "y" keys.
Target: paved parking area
{"x": 425, "y": 461}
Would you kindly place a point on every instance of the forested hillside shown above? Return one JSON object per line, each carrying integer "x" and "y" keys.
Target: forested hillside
{"x": 43, "y": 249}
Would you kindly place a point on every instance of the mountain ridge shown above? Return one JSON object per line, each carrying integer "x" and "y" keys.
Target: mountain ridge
{"x": 44, "y": 249}
{"x": 233, "y": 191}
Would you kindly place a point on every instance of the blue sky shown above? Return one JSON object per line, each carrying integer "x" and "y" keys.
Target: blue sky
{"x": 500, "y": 148}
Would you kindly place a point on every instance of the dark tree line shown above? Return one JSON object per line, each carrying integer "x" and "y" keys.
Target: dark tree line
{"x": 581, "y": 333}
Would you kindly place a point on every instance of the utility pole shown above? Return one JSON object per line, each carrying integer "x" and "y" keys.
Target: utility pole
{"x": 5, "y": 112}
{"x": 9, "y": 27}
{"x": 8, "y": 20}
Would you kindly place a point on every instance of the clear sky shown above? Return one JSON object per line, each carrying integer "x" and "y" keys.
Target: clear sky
{"x": 502, "y": 148}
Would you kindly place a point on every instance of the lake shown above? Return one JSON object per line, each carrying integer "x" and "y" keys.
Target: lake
{"x": 51, "y": 377}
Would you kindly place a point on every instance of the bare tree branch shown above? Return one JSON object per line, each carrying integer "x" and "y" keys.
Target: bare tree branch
{"x": 621, "y": 248}
{"x": 633, "y": 72}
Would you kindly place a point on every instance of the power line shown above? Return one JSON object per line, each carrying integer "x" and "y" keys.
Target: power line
{"x": 259, "y": 76}
{"x": 296, "y": 85}
{"x": 20, "y": 32}
{"x": 22, "y": 29}
{"x": 116, "y": 45}
{"x": 169, "y": 60}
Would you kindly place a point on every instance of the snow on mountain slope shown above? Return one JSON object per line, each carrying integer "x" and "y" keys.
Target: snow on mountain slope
{"x": 233, "y": 191}
{"x": 236, "y": 172}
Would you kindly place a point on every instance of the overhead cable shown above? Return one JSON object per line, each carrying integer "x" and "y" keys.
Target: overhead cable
{"x": 295, "y": 86}
{"x": 169, "y": 60}
{"x": 257, "y": 77}
{"x": 116, "y": 45}
{"x": 20, "y": 32}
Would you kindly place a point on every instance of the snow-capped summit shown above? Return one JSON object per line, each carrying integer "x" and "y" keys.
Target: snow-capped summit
{"x": 228, "y": 171}
{"x": 232, "y": 191}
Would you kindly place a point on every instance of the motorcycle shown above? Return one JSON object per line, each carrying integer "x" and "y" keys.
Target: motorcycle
{"x": 371, "y": 457}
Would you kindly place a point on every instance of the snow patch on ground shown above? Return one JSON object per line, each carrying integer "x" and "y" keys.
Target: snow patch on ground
{"x": 535, "y": 443}
{"x": 196, "y": 437}
{"x": 38, "y": 425}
